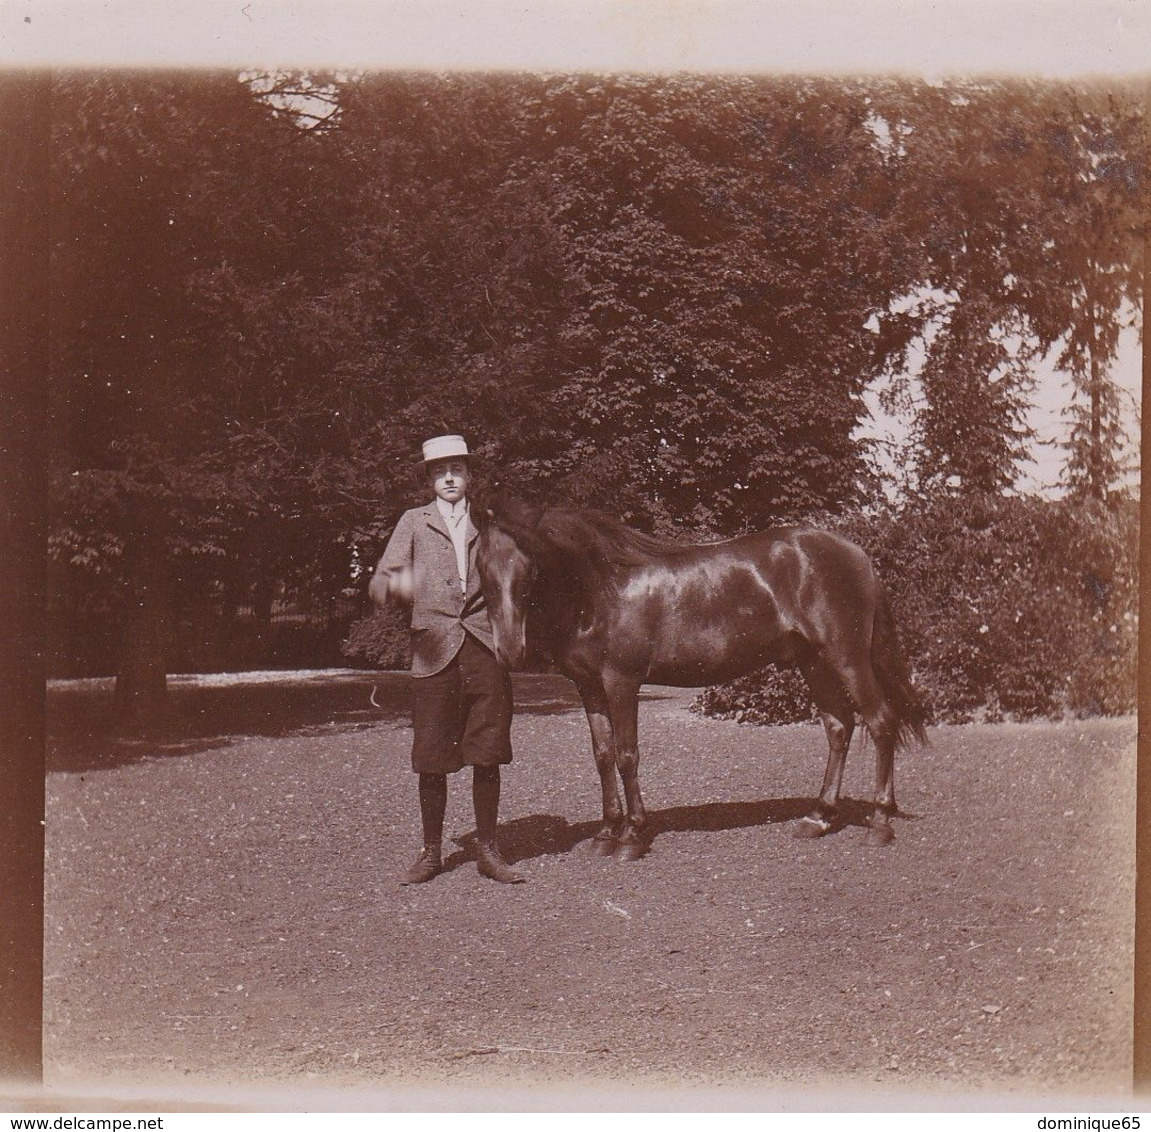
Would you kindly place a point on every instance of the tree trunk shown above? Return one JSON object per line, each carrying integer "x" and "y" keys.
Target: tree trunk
{"x": 142, "y": 705}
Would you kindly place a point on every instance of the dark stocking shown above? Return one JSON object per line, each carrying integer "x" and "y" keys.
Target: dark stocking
{"x": 433, "y": 803}
{"x": 486, "y": 797}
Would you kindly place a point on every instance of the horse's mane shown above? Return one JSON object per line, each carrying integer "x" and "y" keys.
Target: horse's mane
{"x": 584, "y": 536}
{"x": 601, "y": 539}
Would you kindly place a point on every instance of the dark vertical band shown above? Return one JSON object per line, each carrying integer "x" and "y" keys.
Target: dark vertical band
{"x": 25, "y": 104}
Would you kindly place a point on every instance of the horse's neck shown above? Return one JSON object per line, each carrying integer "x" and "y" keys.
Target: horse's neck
{"x": 568, "y": 593}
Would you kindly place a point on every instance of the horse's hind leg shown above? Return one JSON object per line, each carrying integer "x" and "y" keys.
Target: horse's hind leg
{"x": 881, "y": 832}
{"x": 603, "y": 745}
{"x": 883, "y": 723}
{"x": 838, "y": 715}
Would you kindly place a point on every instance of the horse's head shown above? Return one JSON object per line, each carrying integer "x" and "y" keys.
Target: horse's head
{"x": 506, "y": 558}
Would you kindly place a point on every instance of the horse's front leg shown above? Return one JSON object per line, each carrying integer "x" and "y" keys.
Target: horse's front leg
{"x": 603, "y": 746}
{"x": 623, "y": 696}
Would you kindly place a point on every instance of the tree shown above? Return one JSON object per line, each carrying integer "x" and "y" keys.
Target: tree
{"x": 1026, "y": 236}
{"x": 169, "y": 435}
{"x": 730, "y": 236}
{"x": 1104, "y": 188}
{"x": 656, "y": 291}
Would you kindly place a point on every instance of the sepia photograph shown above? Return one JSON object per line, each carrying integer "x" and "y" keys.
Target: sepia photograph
{"x": 604, "y": 580}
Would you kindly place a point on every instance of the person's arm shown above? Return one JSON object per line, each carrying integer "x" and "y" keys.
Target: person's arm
{"x": 394, "y": 579}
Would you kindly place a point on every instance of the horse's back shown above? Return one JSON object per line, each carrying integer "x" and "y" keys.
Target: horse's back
{"x": 715, "y": 610}
{"x": 799, "y": 559}
{"x": 825, "y": 584}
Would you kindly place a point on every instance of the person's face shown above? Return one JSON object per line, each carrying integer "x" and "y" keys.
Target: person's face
{"x": 449, "y": 479}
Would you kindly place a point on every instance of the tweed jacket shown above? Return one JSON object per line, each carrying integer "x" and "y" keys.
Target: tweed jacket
{"x": 441, "y": 611}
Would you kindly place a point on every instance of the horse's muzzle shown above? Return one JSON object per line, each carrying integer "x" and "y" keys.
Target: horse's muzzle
{"x": 510, "y": 655}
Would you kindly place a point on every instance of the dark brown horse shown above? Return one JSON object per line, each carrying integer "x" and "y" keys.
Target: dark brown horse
{"x": 617, "y": 609}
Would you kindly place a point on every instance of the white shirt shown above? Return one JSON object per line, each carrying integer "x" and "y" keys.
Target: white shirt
{"x": 456, "y": 517}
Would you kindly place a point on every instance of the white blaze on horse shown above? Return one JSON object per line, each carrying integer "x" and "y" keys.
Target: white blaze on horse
{"x": 617, "y": 609}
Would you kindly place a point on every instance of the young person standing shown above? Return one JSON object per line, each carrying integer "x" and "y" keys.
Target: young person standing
{"x": 462, "y": 701}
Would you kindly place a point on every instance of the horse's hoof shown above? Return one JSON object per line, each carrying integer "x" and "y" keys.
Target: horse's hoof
{"x": 630, "y": 851}
{"x": 809, "y": 827}
{"x": 602, "y": 846}
{"x": 879, "y": 835}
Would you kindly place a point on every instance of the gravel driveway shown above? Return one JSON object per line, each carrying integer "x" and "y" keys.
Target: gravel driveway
{"x": 223, "y": 908}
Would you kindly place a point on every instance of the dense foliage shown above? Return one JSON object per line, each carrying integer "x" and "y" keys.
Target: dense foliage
{"x": 666, "y": 296}
{"x": 380, "y": 640}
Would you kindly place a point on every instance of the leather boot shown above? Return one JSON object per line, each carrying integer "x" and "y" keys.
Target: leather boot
{"x": 492, "y": 865}
{"x": 429, "y": 864}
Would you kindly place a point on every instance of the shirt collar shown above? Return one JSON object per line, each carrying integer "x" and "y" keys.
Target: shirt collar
{"x": 452, "y": 512}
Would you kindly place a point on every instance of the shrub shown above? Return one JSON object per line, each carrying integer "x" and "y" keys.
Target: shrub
{"x": 771, "y": 695}
{"x": 380, "y": 640}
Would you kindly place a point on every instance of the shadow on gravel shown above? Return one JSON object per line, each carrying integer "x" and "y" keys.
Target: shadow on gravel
{"x": 207, "y": 714}
{"x": 542, "y": 835}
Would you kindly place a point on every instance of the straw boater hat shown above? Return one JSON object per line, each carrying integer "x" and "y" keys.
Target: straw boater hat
{"x": 445, "y": 448}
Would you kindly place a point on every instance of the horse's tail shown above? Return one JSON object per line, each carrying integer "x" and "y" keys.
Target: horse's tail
{"x": 887, "y": 660}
